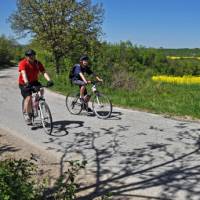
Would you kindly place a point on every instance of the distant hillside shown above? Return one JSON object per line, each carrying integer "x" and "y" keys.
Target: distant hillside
{"x": 181, "y": 52}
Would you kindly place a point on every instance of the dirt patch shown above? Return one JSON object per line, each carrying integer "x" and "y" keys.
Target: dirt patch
{"x": 17, "y": 148}
{"x": 48, "y": 165}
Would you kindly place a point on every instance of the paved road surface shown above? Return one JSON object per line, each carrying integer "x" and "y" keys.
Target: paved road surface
{"x": 134, "y": 155}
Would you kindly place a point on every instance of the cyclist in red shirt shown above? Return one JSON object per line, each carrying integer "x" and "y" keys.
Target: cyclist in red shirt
{"x": 29, "y": 70}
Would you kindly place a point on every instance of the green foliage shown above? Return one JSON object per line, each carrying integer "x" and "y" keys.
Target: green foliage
{"x": 16, "y": 181}
{"x": 181, "y": 52}
{"x": 127, "y": 71}
{"x": 7, "y": 50}
{"x": 65, "y": 187}
{"x": 63, "y": 27}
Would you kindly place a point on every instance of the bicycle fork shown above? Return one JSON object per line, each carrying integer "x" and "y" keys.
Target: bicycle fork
{"x": 98, "y": 102}
{"x": 41, "y": 107}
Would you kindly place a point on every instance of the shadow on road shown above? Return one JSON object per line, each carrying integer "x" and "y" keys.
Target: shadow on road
{"x": 154, "y": 166}
{"x": 115, "y": 116}
{"x": 7, "y": 148}
{"x": 60, "y": 128}
{"x": 4, "y": 76}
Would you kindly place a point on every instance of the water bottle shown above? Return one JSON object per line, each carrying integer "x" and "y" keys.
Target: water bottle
{"x": 94, "y": 89}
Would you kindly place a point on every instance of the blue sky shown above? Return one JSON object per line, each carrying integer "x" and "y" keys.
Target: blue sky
{"x": 151, "y": 23}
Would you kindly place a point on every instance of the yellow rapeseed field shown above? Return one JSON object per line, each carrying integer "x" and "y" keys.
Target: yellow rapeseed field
{"x": 183, "y": 57}
{"x": 177, "y": 79}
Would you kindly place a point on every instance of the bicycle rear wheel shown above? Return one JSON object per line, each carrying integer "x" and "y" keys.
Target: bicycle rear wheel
{"x": 73, "y": 103}
{"x": 46, "y": 118}
{"x": 102, "y": 106}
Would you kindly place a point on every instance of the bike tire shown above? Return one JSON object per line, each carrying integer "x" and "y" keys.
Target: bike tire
{"x": 73, "y": 104}
{"x": 46, "y": 117}
{"x": 102, "y": 106}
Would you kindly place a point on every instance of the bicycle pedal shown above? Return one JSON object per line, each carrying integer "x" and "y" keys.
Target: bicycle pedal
{"x": 41, "y": 98}
{"x": 89, "y": 110}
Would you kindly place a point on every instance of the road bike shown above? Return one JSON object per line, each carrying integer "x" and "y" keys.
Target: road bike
{"x": 40, "y": 110}
{"x": 101, "y": 105}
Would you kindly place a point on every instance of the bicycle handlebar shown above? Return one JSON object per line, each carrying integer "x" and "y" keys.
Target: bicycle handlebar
{"x": 37, "y": 88}
{"x": 95, "y": 82}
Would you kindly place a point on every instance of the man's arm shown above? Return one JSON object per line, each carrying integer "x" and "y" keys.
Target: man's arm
{"x": 24, "y": 76}
{"x": 83, "y": 77}
{"x": 90, "y": 72}
{"x": 99, "y": 79}
{"x": 46, "y": 76}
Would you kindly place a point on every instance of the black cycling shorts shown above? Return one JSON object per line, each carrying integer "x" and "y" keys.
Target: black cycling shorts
{"x": 25, "y": 92}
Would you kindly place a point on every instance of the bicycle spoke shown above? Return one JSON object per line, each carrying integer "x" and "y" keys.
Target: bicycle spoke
{"x": 102, "y": 106}
{"x": 73, "y": 103}
{"x": 46, "y": 117}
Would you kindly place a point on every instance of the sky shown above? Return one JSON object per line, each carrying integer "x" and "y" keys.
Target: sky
{"x": 150, "y": 23}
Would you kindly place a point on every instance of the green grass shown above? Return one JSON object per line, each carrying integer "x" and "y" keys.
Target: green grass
{"x": 179, "y": 100}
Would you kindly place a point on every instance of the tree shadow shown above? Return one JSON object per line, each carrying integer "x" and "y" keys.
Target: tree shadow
{"x": 5, "y": 76}
{"x": 128, "y": 171}
{"x": 7, "y": 66}
{"x": 8, "y": 148}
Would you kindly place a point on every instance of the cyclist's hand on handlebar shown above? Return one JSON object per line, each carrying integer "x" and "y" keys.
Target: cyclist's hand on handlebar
{"x": 50, "y": 83}
{"x": 100, "y": 80}
{"x": 27, "y": 86}
{"x": 89, "y": 81}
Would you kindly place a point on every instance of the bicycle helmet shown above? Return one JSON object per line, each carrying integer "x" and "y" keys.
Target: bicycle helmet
{"x": 30, "y": 52}
{"x": 84, "y": 58}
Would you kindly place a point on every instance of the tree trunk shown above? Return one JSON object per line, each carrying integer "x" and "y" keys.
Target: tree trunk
{"x": 57, "y": 69}
{"x": 57, "y": 59}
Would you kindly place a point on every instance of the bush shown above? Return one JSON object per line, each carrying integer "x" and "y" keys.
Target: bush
{"x": 65, "y": 187}
{"x": 16, "y": 180}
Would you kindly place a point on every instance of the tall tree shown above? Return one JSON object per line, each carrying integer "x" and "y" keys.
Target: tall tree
{"x": 7, "y": 50}
{"x": 63, "y": 27}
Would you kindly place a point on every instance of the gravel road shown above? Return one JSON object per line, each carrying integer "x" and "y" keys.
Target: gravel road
{"x": 134, "y": 155}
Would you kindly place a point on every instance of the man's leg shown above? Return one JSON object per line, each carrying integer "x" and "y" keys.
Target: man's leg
{"x": 28, "y": 105}
{"x": 27, "y": 109}
{"x": 82, "y": 87}
{"x": 82, "y": 91}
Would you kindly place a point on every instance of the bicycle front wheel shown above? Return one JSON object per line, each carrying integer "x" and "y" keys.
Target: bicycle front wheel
{"x": 46, "y": 118}
{"x": 73, "y": 104}
{"x": 102, "y": 106}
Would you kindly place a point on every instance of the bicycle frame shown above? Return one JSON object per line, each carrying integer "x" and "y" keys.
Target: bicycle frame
{"x": 100, "y": 103}
{"x": 40, "y": 109}
{"x": 35, "y": 103}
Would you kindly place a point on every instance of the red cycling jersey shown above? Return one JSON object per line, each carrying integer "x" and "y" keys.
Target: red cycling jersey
{"x": 32, "y": 70}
